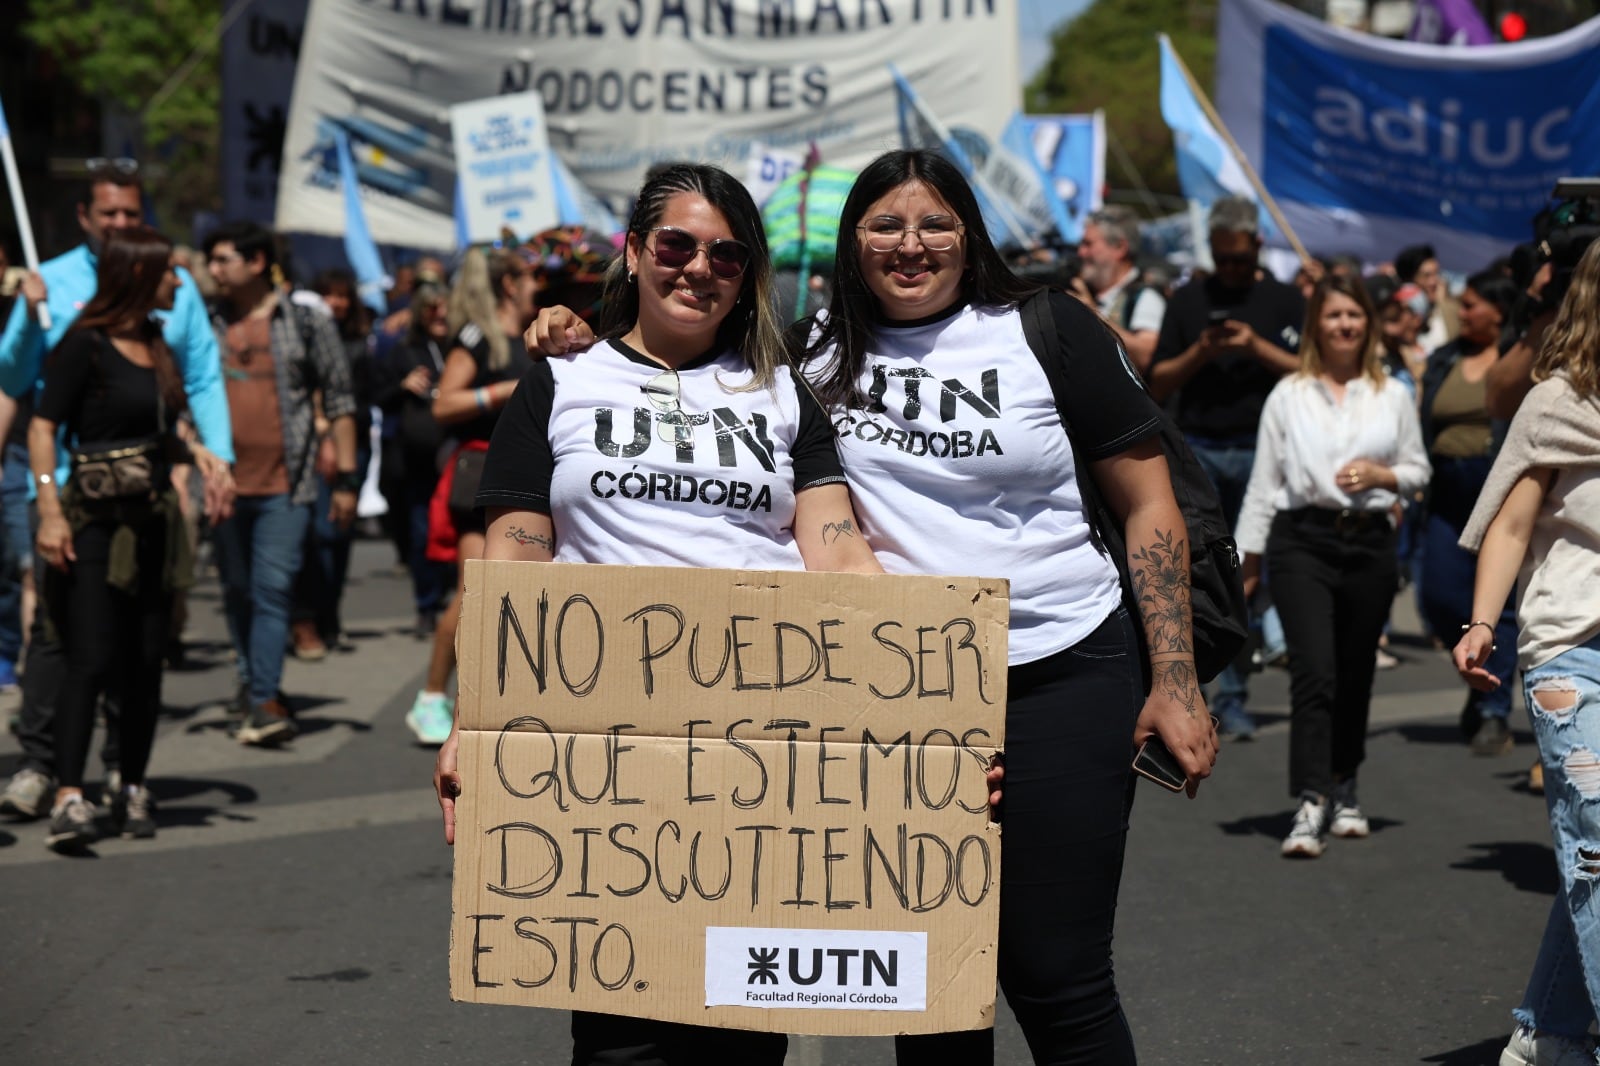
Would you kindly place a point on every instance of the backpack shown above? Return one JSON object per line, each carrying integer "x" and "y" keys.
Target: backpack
{"x": 1216, "y": 587}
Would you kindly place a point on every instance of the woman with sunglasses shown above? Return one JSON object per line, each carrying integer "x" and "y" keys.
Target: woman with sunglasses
{"x": 951, "y": 440}
{"x": 491, "y": 305}
{"x": 681, "y": 439}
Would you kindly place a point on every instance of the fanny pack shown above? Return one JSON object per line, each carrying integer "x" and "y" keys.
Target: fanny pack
{"x": 122, "y": 470}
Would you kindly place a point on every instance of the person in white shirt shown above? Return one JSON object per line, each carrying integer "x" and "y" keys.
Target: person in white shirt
{"x": 1537, "y": 524}
{"x": 1134, "y": 309}
{"x": 1339, "y": 446}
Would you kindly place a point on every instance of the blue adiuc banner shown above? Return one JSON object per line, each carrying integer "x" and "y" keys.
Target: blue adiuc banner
{"x": 1370, "y": 144}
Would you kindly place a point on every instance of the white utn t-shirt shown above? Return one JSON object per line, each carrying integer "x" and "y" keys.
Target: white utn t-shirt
{"x": 582, "y": 442}
{"x": 959, "y": 464}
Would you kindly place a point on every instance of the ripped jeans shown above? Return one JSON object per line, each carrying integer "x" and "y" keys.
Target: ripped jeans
{"x": 1563, "y": 697}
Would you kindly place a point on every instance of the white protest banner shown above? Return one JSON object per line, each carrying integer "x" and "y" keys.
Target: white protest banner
{"x": 748, "y": 799}
{"x": 625, "y": 84}
{"x": 1370, "y": 145}
{"x": 259, "y": 52}
{"x": 503, "y": 167}
{"x": 767, "y": 167}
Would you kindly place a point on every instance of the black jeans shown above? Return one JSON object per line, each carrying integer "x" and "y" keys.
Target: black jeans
{"x": 112, "y": 643}
{"x": 612, "y": 1040}
{"x": 1334, "y": 581}
{"x": 44, "y": 669}
{"x": 1068, "y": 792}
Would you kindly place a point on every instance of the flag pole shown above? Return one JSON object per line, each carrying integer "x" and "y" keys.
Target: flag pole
{"x": 1244, "y": 164}
{"x": 19, "y": 207}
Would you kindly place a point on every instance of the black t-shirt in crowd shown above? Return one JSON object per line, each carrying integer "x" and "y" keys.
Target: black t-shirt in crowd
{"x": 477, "y": 345}
{"x": 1223, "y": 401}
{"x": 95, "y": 392}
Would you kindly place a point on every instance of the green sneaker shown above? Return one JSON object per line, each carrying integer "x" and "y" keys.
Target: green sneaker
{"x": 431, "y": 717}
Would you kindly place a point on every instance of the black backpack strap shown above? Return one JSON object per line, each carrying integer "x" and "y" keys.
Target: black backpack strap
{"x": 1039, "y": 329}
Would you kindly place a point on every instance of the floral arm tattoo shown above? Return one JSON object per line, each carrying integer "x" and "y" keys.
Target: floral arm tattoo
{"x": 1161, "y": 585}
{"x": 526, "y": 539}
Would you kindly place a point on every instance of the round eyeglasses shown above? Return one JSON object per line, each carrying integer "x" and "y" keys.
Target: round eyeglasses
{"x": 936, "y": 233}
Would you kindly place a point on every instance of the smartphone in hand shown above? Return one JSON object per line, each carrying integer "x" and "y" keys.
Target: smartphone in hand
{"x": 1155, "y": 763}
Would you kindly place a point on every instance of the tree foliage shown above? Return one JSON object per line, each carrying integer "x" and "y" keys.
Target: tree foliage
{"x": 123, "y": 51}
{"x": 1108, "y": 59}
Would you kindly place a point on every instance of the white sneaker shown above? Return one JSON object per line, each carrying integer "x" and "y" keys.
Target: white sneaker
{"x": 1528, "y": 1049}
{"x": 1305, "y": 839}
{"x": 431, "y": 717}
{"x": 1348, "y": 821}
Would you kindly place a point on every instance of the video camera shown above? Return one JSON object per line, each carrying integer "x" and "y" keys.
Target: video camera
{"x": 1563, "y": 231}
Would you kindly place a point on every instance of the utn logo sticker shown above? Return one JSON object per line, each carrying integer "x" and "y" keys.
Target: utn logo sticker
{"x": 831, "y": 969}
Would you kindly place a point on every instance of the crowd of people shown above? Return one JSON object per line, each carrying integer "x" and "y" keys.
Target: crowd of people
{"x": 1349, "y": 424}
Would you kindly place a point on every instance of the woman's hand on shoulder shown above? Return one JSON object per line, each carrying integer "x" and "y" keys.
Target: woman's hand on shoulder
{"x": 1176, "y": 711}
{"x": 556, "y": 331}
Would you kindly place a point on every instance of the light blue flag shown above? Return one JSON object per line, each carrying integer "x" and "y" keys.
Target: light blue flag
{"x": 577, "y": 206}
{"x": 1019, "y": 137}
{"x": 463, "y": 237}
{"x": 1207, "y": 170}
{"x": 920, "y": 128}
{"x": 371, "y": 281}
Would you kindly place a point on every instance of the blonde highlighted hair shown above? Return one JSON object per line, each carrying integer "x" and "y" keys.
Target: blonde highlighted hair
{"x": 477, "y": 295}
{"x": 1572, "y": 344}
{"x": 1311, "y": 362}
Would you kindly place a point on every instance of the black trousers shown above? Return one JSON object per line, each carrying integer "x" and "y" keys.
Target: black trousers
{"x": 612, "y": 1040}
{"x": 1067, "y": 795}
{"x": 43, "y": 672}
{"x": 1334, "y": 581}
{"x": 112, "y": 643}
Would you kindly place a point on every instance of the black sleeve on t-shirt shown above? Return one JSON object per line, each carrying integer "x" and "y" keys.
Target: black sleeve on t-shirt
{"x": 520, "y": 464}
{"x": 815, "y": 450}
{"x": 67, "y": 374}
{"x": 1106, "y": 405}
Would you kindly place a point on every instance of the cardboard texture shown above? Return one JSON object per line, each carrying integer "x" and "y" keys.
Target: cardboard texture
{"x": 746, "y": 799}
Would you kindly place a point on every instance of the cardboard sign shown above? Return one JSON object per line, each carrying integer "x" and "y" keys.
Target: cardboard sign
{"x": 503, "y": 165}
{"x": 749, "y": 799}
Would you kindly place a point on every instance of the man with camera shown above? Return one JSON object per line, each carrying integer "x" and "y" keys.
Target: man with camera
{"x": 1225, "y": 341}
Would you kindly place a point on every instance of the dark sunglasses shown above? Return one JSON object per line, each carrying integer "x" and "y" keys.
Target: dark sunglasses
{"x": 122, "y": 166}
{"x": 676, "y": 249}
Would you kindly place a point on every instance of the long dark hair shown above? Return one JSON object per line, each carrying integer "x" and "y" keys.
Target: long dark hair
{"x": 132, "y": 263}
{"x": 752, "y": 327}
{"x": 853, "y": 311}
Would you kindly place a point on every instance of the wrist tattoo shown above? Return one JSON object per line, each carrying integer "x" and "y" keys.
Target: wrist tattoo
{"x": 526, "y": 539}
{"x": 1161, "y": 587}
{"x": 1176, "y": 680}
{"x": 846, "y": 528}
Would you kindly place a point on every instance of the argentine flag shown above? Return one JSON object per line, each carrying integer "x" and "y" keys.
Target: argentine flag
{"x": 1207, "y": 170}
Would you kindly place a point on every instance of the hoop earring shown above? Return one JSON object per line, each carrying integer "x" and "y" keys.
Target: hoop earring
{"x": 630, "y": 277}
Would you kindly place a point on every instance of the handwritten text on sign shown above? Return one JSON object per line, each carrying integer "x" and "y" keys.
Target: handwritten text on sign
{"x": 650, "y": 754}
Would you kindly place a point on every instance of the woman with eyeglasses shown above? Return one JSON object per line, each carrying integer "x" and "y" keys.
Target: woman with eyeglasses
{"x": 955, "y": 451}
{"x": 491, "y": 305}
{"x": 683, "y": 438}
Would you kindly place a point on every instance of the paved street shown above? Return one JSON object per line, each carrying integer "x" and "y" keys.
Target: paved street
{"x": 295, "y": 905}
